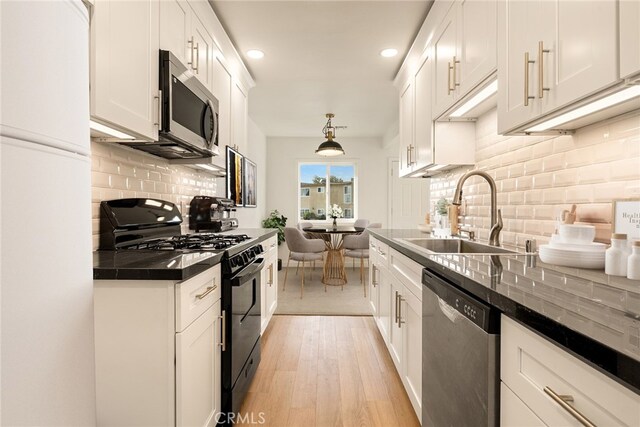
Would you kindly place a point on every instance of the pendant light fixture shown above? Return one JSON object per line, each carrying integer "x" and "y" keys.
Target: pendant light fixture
{"x": 330, "y": 147}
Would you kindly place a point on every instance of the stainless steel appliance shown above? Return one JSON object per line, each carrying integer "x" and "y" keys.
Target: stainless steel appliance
{"x": 460, "y": 359}
{"x": 212, "y": 213}
{"x": 188, "y": 125}
{"x": 154, "y": 225}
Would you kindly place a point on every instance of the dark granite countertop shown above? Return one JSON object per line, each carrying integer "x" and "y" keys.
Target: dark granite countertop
{"x": 166, "y": 265}
{"x": 592, "y": 315}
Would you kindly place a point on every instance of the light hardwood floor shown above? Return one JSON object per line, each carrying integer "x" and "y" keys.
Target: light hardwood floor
{"x": 327, "y": 371}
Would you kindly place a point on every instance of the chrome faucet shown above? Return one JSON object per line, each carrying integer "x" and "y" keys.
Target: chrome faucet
{"x": 496, "y": 215}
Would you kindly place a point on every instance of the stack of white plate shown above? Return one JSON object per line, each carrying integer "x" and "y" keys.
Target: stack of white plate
{"x": 574, "y": 252}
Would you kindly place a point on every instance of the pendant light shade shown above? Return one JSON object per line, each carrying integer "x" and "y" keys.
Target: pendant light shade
{"x": 329, "y": 147}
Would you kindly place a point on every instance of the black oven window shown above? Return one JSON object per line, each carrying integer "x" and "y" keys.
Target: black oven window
{"x": 186, "y": 108}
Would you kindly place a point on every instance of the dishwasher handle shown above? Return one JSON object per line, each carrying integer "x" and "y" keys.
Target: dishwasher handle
{"x": 482, "y": 315}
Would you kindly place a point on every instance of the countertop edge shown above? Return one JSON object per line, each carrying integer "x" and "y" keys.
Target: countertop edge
{"x": 612, "y": 363}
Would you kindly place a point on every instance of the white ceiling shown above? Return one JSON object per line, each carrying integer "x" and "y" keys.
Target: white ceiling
{"x": 322, "y": 56}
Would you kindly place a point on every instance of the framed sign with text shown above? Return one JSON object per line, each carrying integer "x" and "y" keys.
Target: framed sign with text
{"x": 626, "y": 217}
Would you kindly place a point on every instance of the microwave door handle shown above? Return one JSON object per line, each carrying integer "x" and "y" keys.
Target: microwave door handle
{"x": 214, "y": 131}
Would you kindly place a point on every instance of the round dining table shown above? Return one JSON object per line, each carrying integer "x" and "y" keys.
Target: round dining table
{"x": 334, "y": 273}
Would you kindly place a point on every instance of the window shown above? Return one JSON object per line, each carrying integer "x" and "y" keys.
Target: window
{"x": 347, "y": 194}
{"x": 324, "y": 184}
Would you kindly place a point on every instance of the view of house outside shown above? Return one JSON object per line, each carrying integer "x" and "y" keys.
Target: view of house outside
{"x": 316, "y": 195}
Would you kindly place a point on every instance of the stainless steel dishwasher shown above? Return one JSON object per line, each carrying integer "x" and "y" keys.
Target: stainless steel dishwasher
{"x": 460, "y": 363}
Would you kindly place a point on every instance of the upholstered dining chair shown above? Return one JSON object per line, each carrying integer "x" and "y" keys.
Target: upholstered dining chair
{"x": 361, "y": 223}
{"x": 302, "y": 250}
{"x": 357, "y": 247}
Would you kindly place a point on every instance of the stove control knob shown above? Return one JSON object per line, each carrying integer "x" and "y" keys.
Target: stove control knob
{"x": 245, "y": 257}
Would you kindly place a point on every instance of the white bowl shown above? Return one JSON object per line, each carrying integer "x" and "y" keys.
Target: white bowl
{"x": 573, "y": 233}
{"x": 425, "y": 228}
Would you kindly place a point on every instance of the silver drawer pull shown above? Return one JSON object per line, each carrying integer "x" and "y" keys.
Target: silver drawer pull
{"x": 207, "y": 292}
{"x": 563, "y": 400}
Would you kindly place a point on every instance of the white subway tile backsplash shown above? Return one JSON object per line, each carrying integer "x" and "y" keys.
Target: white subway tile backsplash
{"x": 540, "y": 176}
{"x": 119, "y": 172}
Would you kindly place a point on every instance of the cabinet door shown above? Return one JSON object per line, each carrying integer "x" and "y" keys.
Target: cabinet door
{"x": 397, "y": 327}
{"x": 239, "y": 117}
{"x": 477, "y": 42}
{"x": 513, "y": 411}
{"x": 264, "y": 316}
{"x": 222, "y": 91}
{"x": 203, "y": 52}
{"x": 386, "y": 305}
{"x": 411, "y": 323}
{"x": 446, "y": 54}
{"x": 175, "y": 16}
{"x": 519, "y": 25}
{"x": 423, "y": 115}
{"x": 583, "y": 57}
{"x": 125, "y": 41}
{"x": 198, "y": 371}
{"x": 407, "y": 112}
{"x": 629, "y": 38}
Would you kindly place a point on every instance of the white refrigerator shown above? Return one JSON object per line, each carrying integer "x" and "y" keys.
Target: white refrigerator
{"x": 46, "y": 291}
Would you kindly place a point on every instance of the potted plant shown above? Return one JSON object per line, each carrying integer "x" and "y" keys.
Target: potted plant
{"x": 278, "y": 221}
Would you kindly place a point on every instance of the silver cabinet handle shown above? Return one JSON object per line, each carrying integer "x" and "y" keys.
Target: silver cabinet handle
{"x": 374, "y": 282}
{"x": 159, "y": 110}
{"x": 411, "y": 151}
{"x": 526, "y": 79}
{"x": 197, "y": 53}
{"x": 400, "y": 321}
{"x": 408, "y": 156}
{"x": 449, "y": 67}
{"x": 541, "y": 52}
{"x": 396, "y": 321}
{"x": 270, "y": 274}
{"x": 190, "y": 43}
{"x": 207, "y": 292}
{"x": 563, "y": 401}
{"x": 455, "y": 80}
{"x": 223, "y": 341}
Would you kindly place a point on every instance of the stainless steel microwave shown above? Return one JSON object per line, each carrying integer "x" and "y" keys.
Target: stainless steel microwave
{"x": 189, "y": 111}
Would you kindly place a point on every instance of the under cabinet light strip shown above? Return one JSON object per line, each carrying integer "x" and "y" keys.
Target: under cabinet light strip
{"x": 600, "y": 104}
{"x": 476, "y": 100}
{"x": 109, "y": 131}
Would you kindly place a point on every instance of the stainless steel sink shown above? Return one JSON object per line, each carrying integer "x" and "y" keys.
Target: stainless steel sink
{"x": 455, "y": 246}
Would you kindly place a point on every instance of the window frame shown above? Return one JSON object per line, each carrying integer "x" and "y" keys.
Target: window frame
{"x": 327, "y": 188}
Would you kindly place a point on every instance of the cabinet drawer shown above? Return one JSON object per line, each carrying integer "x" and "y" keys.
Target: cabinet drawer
{"x": 513, "y": 411}
{"x": 530, "y": 364}
{"x": 407, "y": 271}
{"x": 380, "y": 249}
{"x": 270, "y": 246}
{"x": 195, "y": 295}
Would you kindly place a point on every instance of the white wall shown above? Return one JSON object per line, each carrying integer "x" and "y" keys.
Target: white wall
{"x": 283, "y": 155}
{"x": 256, "y": 151}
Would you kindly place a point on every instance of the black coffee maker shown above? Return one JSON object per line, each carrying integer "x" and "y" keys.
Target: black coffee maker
{"x": 212, "y": 214}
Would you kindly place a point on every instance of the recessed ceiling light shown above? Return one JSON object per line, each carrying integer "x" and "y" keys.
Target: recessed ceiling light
{"x": 388, "y": 53}
{"x": 255, "y": 53}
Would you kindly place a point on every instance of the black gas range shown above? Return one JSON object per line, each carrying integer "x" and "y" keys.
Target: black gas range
{"x": 153, "y": 225}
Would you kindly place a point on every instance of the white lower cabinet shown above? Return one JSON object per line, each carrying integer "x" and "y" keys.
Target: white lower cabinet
{"x": 513, "y": 411}
{"x": 158, "y": 351}
{"x": 557, "y": 386}
{"x": 269, "y": 280}
{"x": 398, "y": 314}
{"x": 198, "y": 370}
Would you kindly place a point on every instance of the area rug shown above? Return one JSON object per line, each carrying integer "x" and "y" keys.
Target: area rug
{"x": 335, "y": 301}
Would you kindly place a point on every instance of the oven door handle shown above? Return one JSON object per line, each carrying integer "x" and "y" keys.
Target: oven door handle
{"x": 240, "y": 279}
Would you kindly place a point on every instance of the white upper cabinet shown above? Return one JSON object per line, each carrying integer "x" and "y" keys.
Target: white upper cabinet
{"x": 423, "y": 125}
{"x": 629, "y": 38}
{"x": 175, "y": 21}
{"x": 124, "y": 65}
{"x": 465, "y": 51}
{"x": 239, "y": 116}
{"x": 552, "y": 53}
{"x": 406, "y": 135}
{"x": 186, "y": 36}
{"x": 222, "y": 92}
